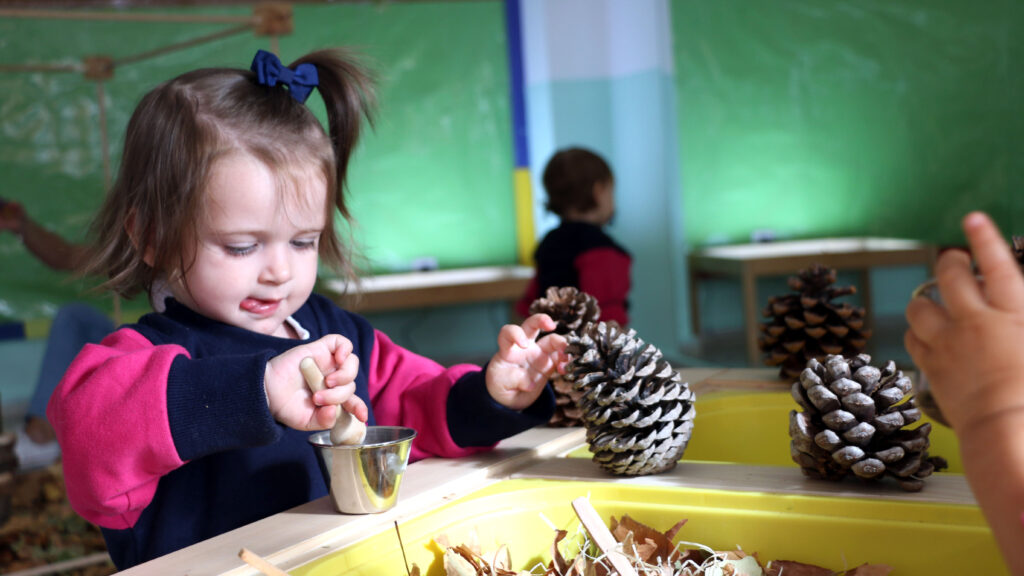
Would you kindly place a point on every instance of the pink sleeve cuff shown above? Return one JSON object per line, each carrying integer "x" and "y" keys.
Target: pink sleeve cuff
{"x": 110, "y": 415}
{"x": 407, "y": 389}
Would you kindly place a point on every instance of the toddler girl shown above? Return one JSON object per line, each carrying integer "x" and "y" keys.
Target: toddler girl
{"x": 194, "y": 421}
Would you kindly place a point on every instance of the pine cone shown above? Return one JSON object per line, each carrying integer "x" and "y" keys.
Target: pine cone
{"x": 808, "y": 324}
{"x": 853, "y": 422}
{"x": 638, "y": 413}
{"x": 572, "y": 310}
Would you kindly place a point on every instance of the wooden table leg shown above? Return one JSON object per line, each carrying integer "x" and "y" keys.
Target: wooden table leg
{"x": 865, "y": 298}
{"x": 694, "y": 301}
{"x": 750, "y": 323}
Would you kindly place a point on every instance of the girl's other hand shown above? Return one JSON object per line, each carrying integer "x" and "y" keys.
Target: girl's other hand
{"x": 291, "y": 401}
{"x": 518, "y": 372}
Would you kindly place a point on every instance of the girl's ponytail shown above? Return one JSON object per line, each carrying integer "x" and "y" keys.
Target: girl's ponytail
{"x": 347, "y": 88}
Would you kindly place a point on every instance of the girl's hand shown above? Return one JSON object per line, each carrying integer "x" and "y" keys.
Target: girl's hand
{"x": 290, "y": 399}
{"x": 520, "y": 369}
{"x": 970, "y": 349}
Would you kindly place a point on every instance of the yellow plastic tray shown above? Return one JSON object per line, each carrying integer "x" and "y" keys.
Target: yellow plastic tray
{"x": 912, "y": 537}
{"x": 753, "y": 428}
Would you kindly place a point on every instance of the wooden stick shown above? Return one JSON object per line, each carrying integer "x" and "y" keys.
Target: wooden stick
{"x": 602, "y": 536}
{"x": 257, "y": 562}
{"x": 40, "y": 68}
{"x": 182, "y": 45}
{"x": 120, "y": 16}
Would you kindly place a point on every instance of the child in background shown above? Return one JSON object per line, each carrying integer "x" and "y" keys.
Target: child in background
{"x": 194, "y": 421}
{"x": 578, "y": 253}
{"x": 970, "y": 348}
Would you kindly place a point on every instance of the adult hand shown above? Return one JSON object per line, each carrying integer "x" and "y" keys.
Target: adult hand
{"x": 970, "y": 349}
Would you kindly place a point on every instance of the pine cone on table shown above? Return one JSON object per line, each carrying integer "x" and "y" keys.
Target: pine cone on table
{"x": 572, "y": 310}
{"x": 637, "y": 411}
{"x": 853, "y": 422}
{"x": 808, "y": 324}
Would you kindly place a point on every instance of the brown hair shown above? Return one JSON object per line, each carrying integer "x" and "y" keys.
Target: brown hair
{"x": 183, "y": 126}
{"x": 569, "y": 179}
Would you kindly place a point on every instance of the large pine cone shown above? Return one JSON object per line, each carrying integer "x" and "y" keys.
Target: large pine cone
{"x": 638, "y": 412}
{"x": 853, "y": 422}
{"x": 808, "y": 324}
{"x": 572, "y": 310}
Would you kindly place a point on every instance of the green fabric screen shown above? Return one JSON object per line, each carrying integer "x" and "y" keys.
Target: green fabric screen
{"x": 434, "y": 179}
{"x": 842, "y": 117}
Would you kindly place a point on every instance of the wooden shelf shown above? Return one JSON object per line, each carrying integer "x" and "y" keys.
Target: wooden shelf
{"x": 748, "y": 262}
{"x": 409, "y": 290}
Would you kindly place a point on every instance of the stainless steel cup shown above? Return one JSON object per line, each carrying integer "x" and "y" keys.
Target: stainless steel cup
{"x": 364, "y": 478}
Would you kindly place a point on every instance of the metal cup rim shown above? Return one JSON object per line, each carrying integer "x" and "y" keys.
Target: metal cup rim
{"x": 322, "y": 438}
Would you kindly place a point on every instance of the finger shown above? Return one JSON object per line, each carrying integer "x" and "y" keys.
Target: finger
{"x": 325, "y": 416}
{"x": 336, "y": 395}
{"x": 346, "y": 373}
{"x": 927, "y": 319}
{"x": 537, "y": 323}
{"x": 1004, "y": 283}
{"x": 957, "y": 284}
{"x": 338, "y": 347}
{"x": 356, "y": 407}
{"x": 917, "y": 349}
{"x": 512, "y": 335}
{"x": 553, "y": 343}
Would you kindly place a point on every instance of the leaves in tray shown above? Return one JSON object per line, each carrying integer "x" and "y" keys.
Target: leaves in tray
{"x": 651, "y": 553}
{"x": 651, "y": 545}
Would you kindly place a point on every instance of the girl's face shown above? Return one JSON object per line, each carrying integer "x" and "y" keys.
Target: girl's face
{"x": 256, "y": 253}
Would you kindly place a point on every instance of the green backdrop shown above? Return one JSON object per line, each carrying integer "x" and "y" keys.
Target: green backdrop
{"x": 432, "y": 180}
{"x": 809, "y": 118}
{"x": 833, "y": 117}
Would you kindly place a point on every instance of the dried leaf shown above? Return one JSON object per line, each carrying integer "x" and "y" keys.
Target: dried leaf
{"x": 869, "y": 570}
{"x": 458, "y": 561}
{"x": 502, "y": 558}
{"x": 558, "y": 563}
{"x": 792, "y": 568}
{"x": 662, "y": 543}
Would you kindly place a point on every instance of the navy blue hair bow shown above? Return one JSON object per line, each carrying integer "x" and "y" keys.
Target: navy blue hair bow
{"x": 270, "y": 72}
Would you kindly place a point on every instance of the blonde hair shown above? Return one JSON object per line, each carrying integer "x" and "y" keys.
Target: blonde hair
{"x": 183, "y": 126}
